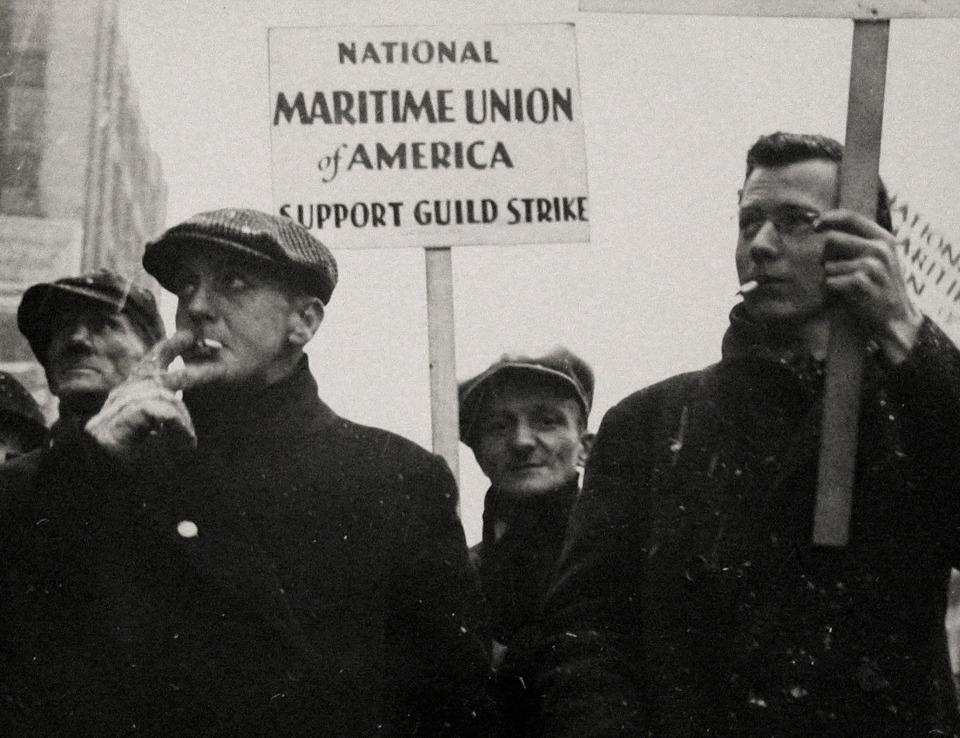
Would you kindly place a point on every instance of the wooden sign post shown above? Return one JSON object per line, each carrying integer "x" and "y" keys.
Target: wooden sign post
{"x": 858, "y": 191}
{"x": 444, "y": 405}
{"x": 859, "y": 182}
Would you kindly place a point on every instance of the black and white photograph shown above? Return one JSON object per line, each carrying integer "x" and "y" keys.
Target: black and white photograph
{"x": 494, "y": 368}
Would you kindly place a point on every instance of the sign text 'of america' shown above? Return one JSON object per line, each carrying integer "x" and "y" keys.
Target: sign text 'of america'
{"x": 429, "y": 135}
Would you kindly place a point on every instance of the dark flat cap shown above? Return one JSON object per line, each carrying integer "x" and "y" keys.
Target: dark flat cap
{"x": 19, "y": 411}
{"x": 560, "y": 365}
{"x": 286, "y": 246}
{"x": 43, "y": 303}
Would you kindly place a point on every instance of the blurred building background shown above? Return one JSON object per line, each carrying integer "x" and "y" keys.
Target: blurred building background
{"x": 80, "y": 186}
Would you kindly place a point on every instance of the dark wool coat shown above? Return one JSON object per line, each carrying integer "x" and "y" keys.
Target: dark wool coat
{"x": 690, "y": 598}
{"x": 327, "y": 590}
{"x": 515, "y": 572}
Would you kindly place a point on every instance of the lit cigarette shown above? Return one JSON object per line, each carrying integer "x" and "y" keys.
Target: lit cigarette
{"x": 748, "y": 287}
{"x": 210, "y": 343}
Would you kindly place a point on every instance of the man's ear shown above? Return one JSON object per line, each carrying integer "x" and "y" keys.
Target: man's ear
{"x": 586, "y": 446}
{"x": 305, "y": 318}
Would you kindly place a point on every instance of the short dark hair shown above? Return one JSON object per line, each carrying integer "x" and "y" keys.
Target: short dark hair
{"x": 780, "y": 149}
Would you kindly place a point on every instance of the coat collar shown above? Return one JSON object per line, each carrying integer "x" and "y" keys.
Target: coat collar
{"x": 545, "y": 510}
{"x": 292, "y": 400}
{"x": 750, "y": 339}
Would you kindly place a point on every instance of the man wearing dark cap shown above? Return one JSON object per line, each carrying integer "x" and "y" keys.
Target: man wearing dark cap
{"x": 88, "y": 332}
{"x": 264, "y": 567}
{"x": 525, "y": 418}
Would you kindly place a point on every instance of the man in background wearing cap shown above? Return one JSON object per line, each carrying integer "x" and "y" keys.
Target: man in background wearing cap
{"x": 265, "y": 567}
{"x": 525, "y": 419}
{"x": 88, "y": 332}
{"x": 22, "y": 426}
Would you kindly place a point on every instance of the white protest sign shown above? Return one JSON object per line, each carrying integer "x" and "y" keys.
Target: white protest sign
{"x": 429, "y": 135}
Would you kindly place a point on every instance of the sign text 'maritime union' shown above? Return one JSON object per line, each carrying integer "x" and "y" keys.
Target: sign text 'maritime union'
{"x": 383, "y": 136}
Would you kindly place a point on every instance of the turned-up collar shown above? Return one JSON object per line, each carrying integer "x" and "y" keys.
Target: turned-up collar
{"x": 547, "y": 509}
{"x": 293, "y": 399}
{"x": 749, "y": 339}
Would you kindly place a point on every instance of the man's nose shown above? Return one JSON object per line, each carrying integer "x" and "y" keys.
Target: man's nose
{"x": 523, "y": 436}
{"x": 199, "y": 303}
{"x": 766, "y": 243}
{"x": 80, "y": 334}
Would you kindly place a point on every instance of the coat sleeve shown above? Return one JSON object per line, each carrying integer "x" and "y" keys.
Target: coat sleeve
{"x": 589, "y": 681}
{"x": 438, "y": 643}
{"x": 925, "y": 390}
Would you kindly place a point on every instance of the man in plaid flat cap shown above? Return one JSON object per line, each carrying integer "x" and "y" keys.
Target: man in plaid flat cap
{"x": 264, "y": 567}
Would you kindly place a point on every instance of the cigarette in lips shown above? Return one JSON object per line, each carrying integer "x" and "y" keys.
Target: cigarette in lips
{"x": 210, "y": 343}
{"x": 748, "y": 287}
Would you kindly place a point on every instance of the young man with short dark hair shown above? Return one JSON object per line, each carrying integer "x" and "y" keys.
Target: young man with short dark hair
{"x": 690, "y": 600}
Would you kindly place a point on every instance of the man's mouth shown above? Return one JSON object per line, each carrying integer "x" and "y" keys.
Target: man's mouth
{"x": 766, "y": 281}
{"x": 79, "y": 363}
{"x": 81, "y": 369}
{"x": 525, "y": 467}
{"x": 204, "y": 348}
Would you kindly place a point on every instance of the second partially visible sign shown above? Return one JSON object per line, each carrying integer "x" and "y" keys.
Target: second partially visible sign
{"x": 429, "y": 135}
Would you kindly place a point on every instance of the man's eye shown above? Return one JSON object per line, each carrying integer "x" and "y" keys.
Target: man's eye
{"x": 791, "y": 223}
{"x": 234, "y": 281}
{"x": 495, "y": 426}
{"x": 750, "y": 225}
{"x": 547, "y": 421}
{"x": 185, "y": 289}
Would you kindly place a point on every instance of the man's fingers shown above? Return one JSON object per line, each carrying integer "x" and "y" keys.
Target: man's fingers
{"x": 165, "y": 351}
{"x": 130, "y": 418}
{"x": 873, "y": 269}
{"x": 850, "y": 222}
{"x": 193, "y": 375}
{"x": 840, "y": 245}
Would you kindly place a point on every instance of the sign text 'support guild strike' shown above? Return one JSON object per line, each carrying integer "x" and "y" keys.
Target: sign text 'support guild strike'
{"x": 429, "y": 136}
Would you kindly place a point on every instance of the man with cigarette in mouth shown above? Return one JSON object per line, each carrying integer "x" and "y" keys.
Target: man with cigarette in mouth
{"x": 256, "y": 564}
{"x": 525, "y": 418}
{"x": 690, "y": 599}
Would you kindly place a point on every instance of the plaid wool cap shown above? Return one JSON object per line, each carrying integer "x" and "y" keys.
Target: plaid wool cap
{"x": 276, "y": 241}
{"x": 20, "y": 411}
{"x": 560, "y": 365}
{"x": 43, "y": 303}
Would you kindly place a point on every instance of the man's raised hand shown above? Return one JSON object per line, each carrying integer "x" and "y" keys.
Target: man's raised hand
{"x": 861, "y": 269}
{"x": 147, "y": 404}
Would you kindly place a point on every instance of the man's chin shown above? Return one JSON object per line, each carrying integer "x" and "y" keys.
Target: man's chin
{"x": 81, "y": 382}
{"x": 528, "y": 488}
{"x": 82, "y": 399}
